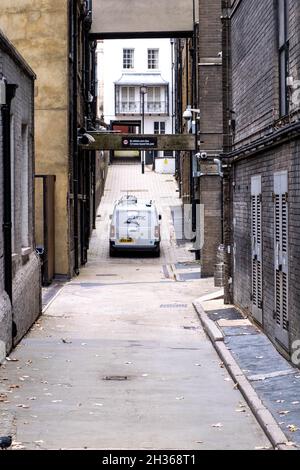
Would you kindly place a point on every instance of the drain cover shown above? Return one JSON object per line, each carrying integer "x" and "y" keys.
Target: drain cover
{"x": 116, "y": 377}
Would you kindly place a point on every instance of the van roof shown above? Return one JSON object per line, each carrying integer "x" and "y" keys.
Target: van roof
{"x": 133, "y": 203}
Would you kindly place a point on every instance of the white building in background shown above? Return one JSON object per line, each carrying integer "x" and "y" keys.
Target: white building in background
{"x": 137, "y": 78}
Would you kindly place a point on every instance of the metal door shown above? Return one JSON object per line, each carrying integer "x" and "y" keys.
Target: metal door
{"x": 281, "y": 272}
{"x": 256, "y": 243}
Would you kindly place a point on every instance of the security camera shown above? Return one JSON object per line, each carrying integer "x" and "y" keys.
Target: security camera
{"x": 187, "y": 115}
{"x": 86, "y": 139}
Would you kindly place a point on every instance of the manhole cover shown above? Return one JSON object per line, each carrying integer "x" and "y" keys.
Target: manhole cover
{"x": 105, "y": 275}
{"x": 134, "y": 191}
{"x": 116, "y": 377}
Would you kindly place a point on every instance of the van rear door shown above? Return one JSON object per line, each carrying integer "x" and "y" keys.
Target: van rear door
{"x": 134, "y": 227}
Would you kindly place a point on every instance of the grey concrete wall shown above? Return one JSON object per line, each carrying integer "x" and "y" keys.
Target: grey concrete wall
{"x": 134, "y": 16}
{"x": 26, "y": 267}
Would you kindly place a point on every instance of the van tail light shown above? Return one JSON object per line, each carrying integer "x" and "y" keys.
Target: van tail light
{"x": 112, "y": 231}
{"x": 157, "y": 231}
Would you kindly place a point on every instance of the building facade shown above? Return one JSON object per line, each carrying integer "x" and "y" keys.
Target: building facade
{"x": 138, "y": 94}
{"x": 63, "y": 58}
{"x": 20, "y": 291}
{"x": 263, "y": 184}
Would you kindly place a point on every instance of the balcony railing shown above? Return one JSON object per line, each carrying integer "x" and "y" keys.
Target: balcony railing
{"x": 135, "y": 107}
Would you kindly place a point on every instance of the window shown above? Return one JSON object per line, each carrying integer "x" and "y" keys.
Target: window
{"x": 24, "y": 189}
{"x": 128, "y": 58}
{"x": 159, "y": 127}
{"x": 128, "y": 103}
{"x": 152, "y": 58}
{"x": 154, "y": 99}
{"x": 283, "y": 44}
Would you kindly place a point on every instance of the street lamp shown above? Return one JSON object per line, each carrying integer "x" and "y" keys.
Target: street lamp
{"x": 143, "y": 91}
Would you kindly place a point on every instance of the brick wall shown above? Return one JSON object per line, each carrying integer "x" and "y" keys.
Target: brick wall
{"x": 255, "y": 100}
{"x": 26, "y": 267}
{"x": 210, "y": 98}
{"x": 284, "y": 157}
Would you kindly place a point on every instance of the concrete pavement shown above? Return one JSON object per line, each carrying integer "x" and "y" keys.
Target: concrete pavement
{"x": 119, "y": 359}
{"x": 269, "y": 383}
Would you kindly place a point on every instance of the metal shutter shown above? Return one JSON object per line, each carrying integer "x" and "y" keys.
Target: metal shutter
{"x": 256, "y": 243}
{"x": 281, "y": 257}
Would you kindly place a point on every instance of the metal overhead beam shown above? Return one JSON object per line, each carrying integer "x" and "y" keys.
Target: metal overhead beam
{"x": 137, "y": 18}
{"x": 109, "y": 141}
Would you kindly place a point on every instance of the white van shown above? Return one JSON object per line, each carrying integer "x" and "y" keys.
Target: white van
{"x": 135, "y": 225}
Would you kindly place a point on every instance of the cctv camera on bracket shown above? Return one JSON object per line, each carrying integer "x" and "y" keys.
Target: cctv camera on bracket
{"x": 202, "y": 155}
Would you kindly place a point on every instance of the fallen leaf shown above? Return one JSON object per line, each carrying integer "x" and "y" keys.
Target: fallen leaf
{"x": 22, "y": 406}
{"x": 295, "y": 402}
{"x": 290, "y": 444}
{"x": 292, "y": 428}
{"x": 145, "y": 375}
{"x": 56, "y": 401}
{"x": 217, "y": 425}
{"x": 198, "y": 365}
{"x": 179, "y": 398}
{"x": 14, "y": 386}
{"x": 66, "y": 341}
{"x": 199, "y": 442}
{"x": 236, "y": 386}
{"x": 284, "y": 412}
{"x": 32, "y": 398}
{"x": 280, "y": 401}
{"x": 259, "y": 357}
{"x": 98, "y": 404}
{"x": 39, "y": 442}
{"x": 128, "y": 362}
{"x": 227, "y": 379}
{"x": 12, "y": 359}
{"x": 17, "y": 445}
{"x": 241, "y": 410}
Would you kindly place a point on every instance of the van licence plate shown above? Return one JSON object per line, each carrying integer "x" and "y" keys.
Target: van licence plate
{"x": 126, "y": 240}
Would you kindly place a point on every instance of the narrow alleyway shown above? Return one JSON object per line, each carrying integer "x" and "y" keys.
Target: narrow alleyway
{"x": 119, "y": 359}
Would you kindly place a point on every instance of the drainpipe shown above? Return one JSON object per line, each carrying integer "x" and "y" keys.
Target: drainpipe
{"x": 218, "y": 162}
{"x": 195, "y": 105}
{"x": 7, "y": 95}
{"x": 74, "y": 132}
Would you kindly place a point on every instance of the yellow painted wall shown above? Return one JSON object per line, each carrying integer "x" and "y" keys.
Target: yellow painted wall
{"x": 39, "y": 30}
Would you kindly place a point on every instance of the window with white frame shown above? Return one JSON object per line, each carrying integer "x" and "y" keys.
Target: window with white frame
{"x": 128, "y": 103}
{"x": 153, "y": 58}
{"x": 128, "y": 58}
{"x": 154, "y": 99}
